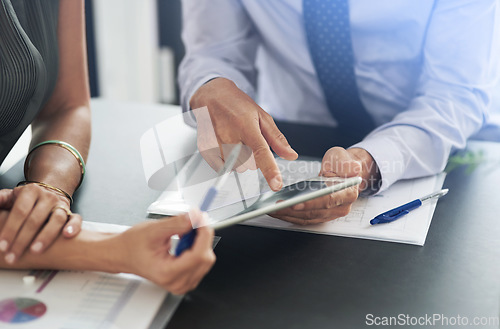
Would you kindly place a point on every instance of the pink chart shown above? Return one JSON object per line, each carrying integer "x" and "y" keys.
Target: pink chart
{"x": 19, "y": 310}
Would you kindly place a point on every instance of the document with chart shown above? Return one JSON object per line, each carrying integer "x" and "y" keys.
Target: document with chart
{"x": 77, "y": 300}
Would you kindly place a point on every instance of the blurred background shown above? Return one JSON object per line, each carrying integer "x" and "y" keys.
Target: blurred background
{"x": 134, "y": 49}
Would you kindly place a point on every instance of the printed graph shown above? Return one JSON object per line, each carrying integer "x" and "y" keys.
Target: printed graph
{"x": 20, "y": 310}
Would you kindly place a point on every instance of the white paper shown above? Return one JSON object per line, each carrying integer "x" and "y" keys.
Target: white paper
{"x": 78, "y": 300}
{"x": 18, "y": 152}
{"x": 161, "y": 161}
{"x": 411, "y": 229}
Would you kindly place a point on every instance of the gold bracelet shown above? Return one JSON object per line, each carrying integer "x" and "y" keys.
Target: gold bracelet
{"x": 65, "y": 146}
{"x": 47, "y": 186}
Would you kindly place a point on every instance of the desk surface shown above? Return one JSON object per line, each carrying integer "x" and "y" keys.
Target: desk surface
{"x": 267, "y": 278}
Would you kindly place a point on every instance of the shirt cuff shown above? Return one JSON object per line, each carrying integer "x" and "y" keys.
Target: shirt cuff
{"x": 189, "y": 118}
{"x": 386, "y": 153}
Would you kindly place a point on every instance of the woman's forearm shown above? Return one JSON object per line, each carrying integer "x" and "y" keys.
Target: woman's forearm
{"x": 56, "y": 173}
{"x": 55, "y": 169}
{"x": 143, "y": 249}
{"x": 88, "y": 251}
{"x": 66, "y": 115}
{"x": 55, "y": 165}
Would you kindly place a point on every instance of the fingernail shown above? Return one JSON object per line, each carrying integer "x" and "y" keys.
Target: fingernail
{"x": 194, "y": 213}
{"x": 290, "y": 149}
{"x": 10, "y": 258}
{"x": 37, "y": 246}
{"x": 299, "y": 206}
{"x": 4, "y": 245}
{"x": 70, "y": 229}
{"x": 276, "y": 184}
{"x": 195, "y": 217}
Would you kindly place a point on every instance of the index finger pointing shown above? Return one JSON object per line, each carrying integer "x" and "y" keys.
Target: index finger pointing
{"x": 265, "y": 160}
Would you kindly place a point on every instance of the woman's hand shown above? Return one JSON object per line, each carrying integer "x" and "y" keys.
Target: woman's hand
{"x": 144, "y": 250}
{"x": 146, "y": 253}
{"x": 36, "y": 218}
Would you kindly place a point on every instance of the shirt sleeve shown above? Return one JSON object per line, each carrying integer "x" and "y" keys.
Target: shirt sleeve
{"x": 220, "y": 41}
{"x": 460, "y": 67}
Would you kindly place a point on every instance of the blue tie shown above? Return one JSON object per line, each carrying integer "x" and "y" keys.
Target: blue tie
{"x": 327, "y": 26}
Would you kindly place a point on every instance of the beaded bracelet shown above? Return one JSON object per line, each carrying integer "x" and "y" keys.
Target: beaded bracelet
{"x": 65, "y": 146}
{"x": 47, "y": 186}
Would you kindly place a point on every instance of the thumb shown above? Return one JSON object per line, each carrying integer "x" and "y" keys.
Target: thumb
{"x": 197, "y": 218}
{"x": 338, "y": 162}
{"x": 172, "y": 225}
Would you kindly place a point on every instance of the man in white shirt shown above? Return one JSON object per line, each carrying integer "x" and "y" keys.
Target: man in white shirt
{"x": 426, "y": 72}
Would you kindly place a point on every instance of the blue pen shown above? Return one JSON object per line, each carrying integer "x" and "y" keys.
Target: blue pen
{"x": 393, "y": 214}
{"x": 187, "y": 240}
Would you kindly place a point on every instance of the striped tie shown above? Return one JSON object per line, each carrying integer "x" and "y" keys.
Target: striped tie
{"x": 327, "y": 26}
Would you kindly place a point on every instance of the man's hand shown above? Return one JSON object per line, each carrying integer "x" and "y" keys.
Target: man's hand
{"x": 235, "y": 118}
{"x": 342, "y": 163}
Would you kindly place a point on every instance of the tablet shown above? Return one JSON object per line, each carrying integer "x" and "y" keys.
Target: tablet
{"x": 270, "y": 202}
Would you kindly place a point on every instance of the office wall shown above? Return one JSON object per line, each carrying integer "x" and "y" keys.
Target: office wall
{"x": 134, "y": 49}
{"x": 127, "y": 54}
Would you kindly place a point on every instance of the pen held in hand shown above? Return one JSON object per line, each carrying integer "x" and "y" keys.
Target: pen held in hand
{"x": 187, "y": 240}
{"x": 398, "y": 212}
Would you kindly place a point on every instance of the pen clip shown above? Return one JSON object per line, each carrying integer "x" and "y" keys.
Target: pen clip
{"x": 389, "y": 216}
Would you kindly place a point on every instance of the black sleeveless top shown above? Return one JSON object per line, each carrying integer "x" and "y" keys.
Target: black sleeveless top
{"x": 28, "y": 64}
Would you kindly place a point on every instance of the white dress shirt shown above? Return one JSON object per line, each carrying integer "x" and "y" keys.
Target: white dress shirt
{"x": 428, "y": 71}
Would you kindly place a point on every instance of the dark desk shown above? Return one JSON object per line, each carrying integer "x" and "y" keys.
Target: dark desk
{"x": 266, "y": 278}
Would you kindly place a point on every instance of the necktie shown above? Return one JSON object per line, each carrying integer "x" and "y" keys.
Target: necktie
{"x": 327, "y": 26}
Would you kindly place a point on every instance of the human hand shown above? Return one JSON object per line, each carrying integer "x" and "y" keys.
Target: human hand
{"x": 233, "y": 117}
{"x": 146, "y": 249}
{"x": 341, "y": 163}
{"x": 6, "y": 198}
{"x": 36, "y": 217}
